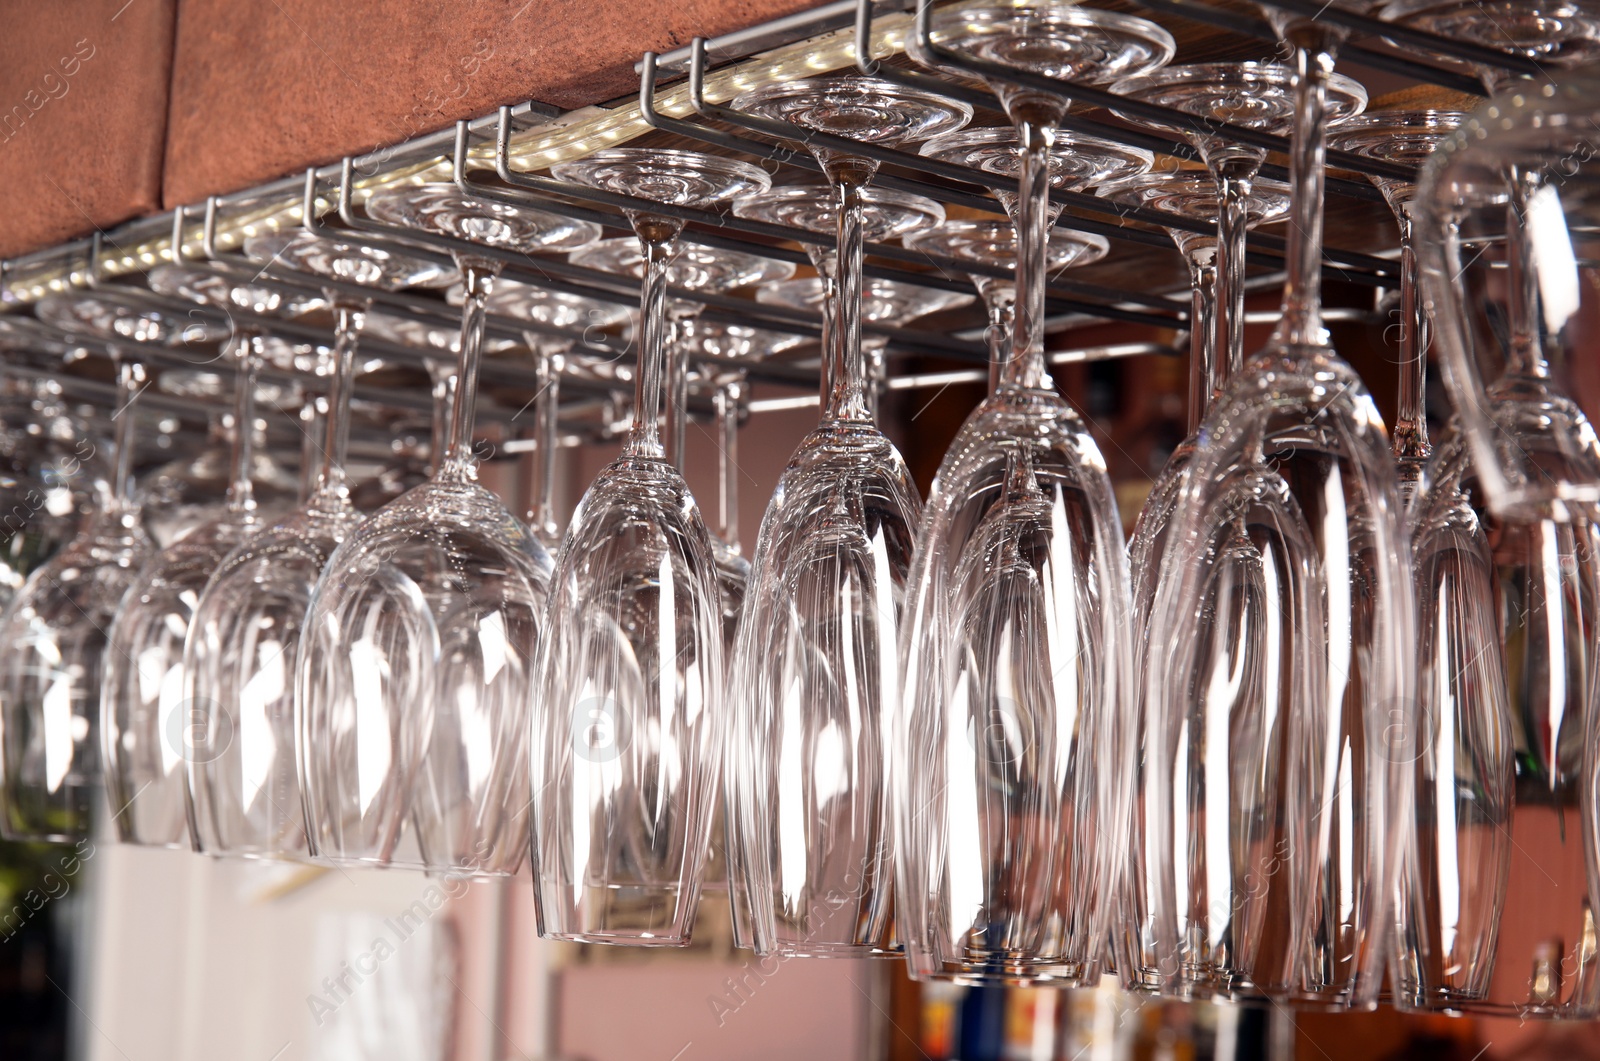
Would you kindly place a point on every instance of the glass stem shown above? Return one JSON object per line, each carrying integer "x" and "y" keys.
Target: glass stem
{"x": 241, "y": 500}
{"x": 1301, "y": 323}
{"x": 1000, "y": 304}
{"x": 1206, "y": 368}
{"x": 658, "y": 242}
{"x": 478, "y": 280}
{"x": 130, "y": 383}
{"x": 727, "y": 405}
{"x": 1525, "y": 356}
{"x": 546, "y": 429}
{"x": 331, "y": 487}
{"x": 682, "y": 334}
{"x": 1025, "y": 368}
{"x": 1411, "y": 423}
{"x": 313, "y": 415}
{"x": 846, "y": 397}
{"x": 443, "y": 376}
{"x": 826, "y": 262}
{"x": 1234, "y": 177}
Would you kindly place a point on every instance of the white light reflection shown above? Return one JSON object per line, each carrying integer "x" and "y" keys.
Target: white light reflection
{"x": 258, "y": 744}
{"x": 369, "y": 673}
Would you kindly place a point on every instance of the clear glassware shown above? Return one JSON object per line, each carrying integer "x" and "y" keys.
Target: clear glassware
{"x": 994, "y": 243}
{"x": 147, "y": 722}
{"x": 52, "y": 648}
{"x": 552, "y": 318}
{"x": 1278, "y": 764}
{"x": 1504, "y": 189}
{"x": 1453, "y": 886}
{"x": 1257, "y": 96}
{"x": 414, "y": 689}
{"x": 725, "y": 341}
{"x": 1504, "y": 224}
{"x": 52, "y": 471}
{"x": 408, "y": 331}
{"x": 696, "y": 268}
{"x": 357, "y": 263}
{"x": 628, "y": 751}
{"x": 1213, "y": 354}
{"x": 191, "y": 490}
{"x": 188, "y": 492}
{"x": 239, "y": 651}
{"x": 812, "y": 687}
{"x": 1075, "y": 162}
{"x": 1408, "y": 138}
{"x": 885, "y": 215}
{"x": 1558, "y": 33}
{"x": 882, "y": 302}
{"x": 1013, "y": 766}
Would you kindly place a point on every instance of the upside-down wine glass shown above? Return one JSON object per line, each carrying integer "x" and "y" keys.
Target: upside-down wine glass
{"x": 710, "y": 269}
{"x": 190, "y": 491}
{"x": 50, "y": 474}
{"x": 1276, "y": 782}
{"x": 628, "y": 753}
{"x": 885, "y": 214}
{"x": 147, "y": 723}
{"x": 1406, "y": 138}
{"x": 414, "y": 689}
{"x": 812, "y": 688}
{"x": 1504, "y": 235}
{"x": 1250, "y": 95}
{"x": 52, "y": 649}
{"x": 1453, "y": 875}
{"x": 994, "y": 244}
{"x": 1012, "y": 766}
{"x": 551, "y": 318}
{"x": 1213, "y": 353}
{"x": 240, "y": 650}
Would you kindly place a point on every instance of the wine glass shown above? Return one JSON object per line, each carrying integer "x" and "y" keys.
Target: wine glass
{"x": 1408, "y": 138}
{"x": 696, "y": 268}
{"x": 1272, "y": 834}
{"x": 1076, "y": 161}
{"x": 1503, "y": 221}
{"x": 994, "y": 243}
{"x": 414, "y": 686}
{"x": 885, "y": 215}
{"x": 1249, "y": 95}
{"x": 51, "y": 472}
{"x": 811, "y": 688}
{"x": 191, "y": 491}
{"x": 1559, "y": 34}
{"x": 628, "y": 749}
{"x": 1197, "y": 195}
{"x": 555, "y": 315}
{"x": 1506, "y": 347}
{"x": 147, "y": 722}
{"x": 1013, "y": 766}
{"x": 52, "y": 648}
{"x": 240, "y": 649}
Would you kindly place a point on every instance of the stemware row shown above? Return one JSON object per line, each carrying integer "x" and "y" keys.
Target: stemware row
{"x": 1282, "y": 745}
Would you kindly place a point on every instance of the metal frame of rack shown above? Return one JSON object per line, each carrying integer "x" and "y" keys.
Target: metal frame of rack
{"x": 481, "y": 158}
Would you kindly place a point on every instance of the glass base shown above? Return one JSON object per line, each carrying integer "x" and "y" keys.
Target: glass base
{"x": 833, "y": 950}
{"x": 1463, "y": 1004}
{"x": 1019, "y": 972}
{"x": 633, "y": 915}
